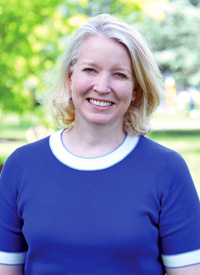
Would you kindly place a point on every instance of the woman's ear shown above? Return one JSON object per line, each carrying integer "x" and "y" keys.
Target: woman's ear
{"x": 134, "y": 96}
{"x": 70, "y": 80}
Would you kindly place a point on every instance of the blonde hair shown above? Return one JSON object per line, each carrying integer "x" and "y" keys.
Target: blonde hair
{"x": 148, "y": 80}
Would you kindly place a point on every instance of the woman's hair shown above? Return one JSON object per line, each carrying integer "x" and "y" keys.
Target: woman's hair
{"x": 148, "y": 80}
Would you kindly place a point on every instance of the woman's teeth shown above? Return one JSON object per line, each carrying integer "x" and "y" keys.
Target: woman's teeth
{"x": 100, "y": 103}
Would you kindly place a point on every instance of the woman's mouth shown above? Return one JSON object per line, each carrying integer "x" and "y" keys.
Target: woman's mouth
{"x": 100, "y": 103}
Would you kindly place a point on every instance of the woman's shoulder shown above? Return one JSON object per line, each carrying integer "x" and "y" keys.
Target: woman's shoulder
{"x": 167, "y": 160}
{"x": 27, "y": 152}
{"x": 173, "y": 168}
{"x": 152, "y": 148}
{"x": 41, "y": 144}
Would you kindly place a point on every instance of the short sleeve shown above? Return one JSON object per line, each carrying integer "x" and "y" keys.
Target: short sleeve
{"x": 180, "y": 214}
{"x": 13, "y": 246}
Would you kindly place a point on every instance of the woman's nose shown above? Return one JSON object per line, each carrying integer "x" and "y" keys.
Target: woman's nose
{"x": 102, "y": 84}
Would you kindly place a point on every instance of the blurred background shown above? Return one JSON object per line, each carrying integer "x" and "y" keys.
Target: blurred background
{"x": 33, "y": 33}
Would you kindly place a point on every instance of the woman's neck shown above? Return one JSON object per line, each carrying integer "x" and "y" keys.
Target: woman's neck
{"x": 94, "y": 142}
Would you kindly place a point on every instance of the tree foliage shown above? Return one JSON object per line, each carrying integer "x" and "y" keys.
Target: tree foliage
{"x": 27, "y": 39}
{"x": 176, "y": 41}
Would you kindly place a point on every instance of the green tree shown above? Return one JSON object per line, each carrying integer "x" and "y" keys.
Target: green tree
{"x": 176, "y": 41}
{"x": 26, "y": 42}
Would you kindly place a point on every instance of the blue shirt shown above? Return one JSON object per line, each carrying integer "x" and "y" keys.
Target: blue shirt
{"x": 132, "y": 211}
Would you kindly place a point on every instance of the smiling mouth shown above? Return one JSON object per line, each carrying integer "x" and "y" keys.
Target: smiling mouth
{"x": 100, "y": 103}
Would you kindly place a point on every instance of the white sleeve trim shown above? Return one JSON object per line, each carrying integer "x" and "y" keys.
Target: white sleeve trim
{"x": 11, "y": 258}
{"x": 181, "y": 260}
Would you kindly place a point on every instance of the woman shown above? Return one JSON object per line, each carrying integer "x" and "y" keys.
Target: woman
{"x": 98, "y": 197}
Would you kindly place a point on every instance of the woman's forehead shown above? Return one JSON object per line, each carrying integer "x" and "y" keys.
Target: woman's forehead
{"x": 101, "y": 43}
{"x": 100, "y": 48}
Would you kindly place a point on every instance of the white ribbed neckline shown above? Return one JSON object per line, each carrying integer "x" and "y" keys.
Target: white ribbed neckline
{"x": 90, "y": 164}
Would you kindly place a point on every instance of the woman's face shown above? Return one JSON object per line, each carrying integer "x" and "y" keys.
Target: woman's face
{"x": 102, "y": 82}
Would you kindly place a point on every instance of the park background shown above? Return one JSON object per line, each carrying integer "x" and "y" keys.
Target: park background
{"x": 33, "y": 33}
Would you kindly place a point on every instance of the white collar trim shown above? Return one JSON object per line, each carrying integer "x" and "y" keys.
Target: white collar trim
{"x": 90, "y": 164}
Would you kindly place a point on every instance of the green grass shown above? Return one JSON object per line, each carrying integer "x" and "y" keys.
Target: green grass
{"x": 13, "y": 132}
{"x": 12, "y": 127}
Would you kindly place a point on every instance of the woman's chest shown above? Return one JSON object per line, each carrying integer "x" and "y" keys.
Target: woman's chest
{"x": 90, "y": 209}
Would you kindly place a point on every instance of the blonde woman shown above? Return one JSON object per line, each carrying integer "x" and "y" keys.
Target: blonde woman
{"x": 98, "y": 197}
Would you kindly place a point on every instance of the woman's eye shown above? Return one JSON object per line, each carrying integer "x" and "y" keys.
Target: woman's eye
{"x": 121, "y": 75}
{"x": 89, "y": 70}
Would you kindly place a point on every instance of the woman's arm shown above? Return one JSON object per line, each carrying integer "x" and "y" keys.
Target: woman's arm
{"x": 188, "y": 270}
{"x": 11, "y": 269}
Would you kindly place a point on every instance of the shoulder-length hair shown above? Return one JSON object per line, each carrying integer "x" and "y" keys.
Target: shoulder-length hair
{"x": 147, "y": 76}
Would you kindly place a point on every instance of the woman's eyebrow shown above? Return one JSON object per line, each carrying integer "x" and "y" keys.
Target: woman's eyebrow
{"x": 88, "y": 63}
